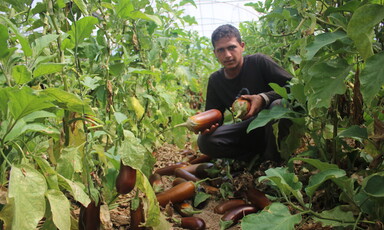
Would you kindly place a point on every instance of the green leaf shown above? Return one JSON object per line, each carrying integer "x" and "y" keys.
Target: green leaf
{"x": 60, "y": 208}
{"x": 23, "y": 40}
{"x": 82, "y": 29}
{"x": 275, "y": 217}
{"x": 48, "y": 68}
{"x": 124, "y": 8}
{"x": 3, "y": 41}
{"x": 141, "y": 15}
{"x": 91, "y": 83}
{"x": 21, "y": 74}
{"x": 190, "y": 20}
{"x": 374, "y": 185}
{"x": 68, "y": 101}
{"x": 23, "y": 102}
{"x": 267, "y": 115}
{"x": 200, "y": 197}
{"x": 6, "y": 214}
{"x": 22, "y": 127}
{"x": 350, "y": 6}
{"x": 27, "y": 187}
{"x": 322, "y": 166}
{"x": 279, "y": 90}
{"x": 336, "y": 218}
{"x": 184, "y": 2}
{"x": 49, "y": 173}
{"x": 371, "y": 77}
{"x": 360, "y": 27}
{"x": 318, "y": 179}
{"x": 82, "y": 6}
{"x": 321, "y": 41}
{"x": 120, "y": 117}
{"x": 355, "y": 132}
{"x": 38, "y": 115}
{"x": 69, "y": 162}
{"x": 76, "y": 189}
{"x": 153, "y": 211}
{"x": 43, "y": 42}
{"x": 134, "y": 154}
{"x": 288, "y": 183}
{"x": 327, "y": 80}
{"x": 370, "y": 205}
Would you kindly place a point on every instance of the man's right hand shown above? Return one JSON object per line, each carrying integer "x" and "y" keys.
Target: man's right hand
{"x": 209, "y": 130}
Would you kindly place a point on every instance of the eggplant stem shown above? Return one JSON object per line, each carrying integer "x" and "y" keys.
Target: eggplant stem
{"x": 184, "y": 124}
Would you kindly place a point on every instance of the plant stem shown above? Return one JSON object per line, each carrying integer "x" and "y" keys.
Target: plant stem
{"x": 5, "y": 157}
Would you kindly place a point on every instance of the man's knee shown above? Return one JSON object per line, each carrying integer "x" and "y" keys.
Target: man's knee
{"x": 274, "y": 103}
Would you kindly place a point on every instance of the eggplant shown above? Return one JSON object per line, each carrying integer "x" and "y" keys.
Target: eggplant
{"x": 202, "y": 121}
{"x": 126, "y": 180}
{"x": 178, "y": 193}
{"x": 89, "y": 218}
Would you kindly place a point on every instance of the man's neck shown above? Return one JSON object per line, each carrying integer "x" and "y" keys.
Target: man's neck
{"x": 233, "y": 72}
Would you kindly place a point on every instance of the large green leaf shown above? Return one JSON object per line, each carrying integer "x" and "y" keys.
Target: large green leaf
{"x": 327, "y": 80}
{"x": 49, "y": 173}
{"x": 22, "y": 127}
{"x": 21, "y": 74}
{"x": 27, "y": 187}
{"x": 141, "y": 15}
{"x": 322, "y": 166}
{"x": 275, "y": 217}
{"x": 68, "y": 101}
{"x": 153, "y": 211}
{"x": 360, "y": 27}
{"x": 134, "y": 154}
{"x": 267, "y": 115}
{"x": 3, "y": 41}
{"x": 48, "y": 68}
{"x": 6, "y": 214}
{"x": 76, "y": 189}
{"x": 318, "y": 179}
{"x": 371, "y": 77}
{"x": 43, "y": 42}
{"x": 23, "y": 102}
{"x": 69, "y": 162}
{"x": 336, "y": 218}
{"x": 322, "y": 40}
{"x": 82, "y": 29}
{"x": 82, "y": 6}
{"x": 374, "y": 185}
{"x": 60, "y": 208}
{"x": 370, "y": 205}
{"x": 22, "y": 39}
{"x": 355, "y": 132}
{"x": 124, "y": 8}
{"x": 288, "y": 183}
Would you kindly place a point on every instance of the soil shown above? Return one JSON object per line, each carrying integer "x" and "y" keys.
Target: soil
{"x": 243, "y": 173}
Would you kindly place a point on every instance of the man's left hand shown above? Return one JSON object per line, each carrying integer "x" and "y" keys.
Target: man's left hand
{"x": 257, "y": 104}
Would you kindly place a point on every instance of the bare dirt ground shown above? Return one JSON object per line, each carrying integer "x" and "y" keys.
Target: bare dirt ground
{"x": 244, "y": 175}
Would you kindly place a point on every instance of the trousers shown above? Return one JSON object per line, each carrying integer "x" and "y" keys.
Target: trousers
{"x": 232, "y": 140}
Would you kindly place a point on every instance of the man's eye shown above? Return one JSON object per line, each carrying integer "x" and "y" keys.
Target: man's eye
{"x": 231, "y": 47}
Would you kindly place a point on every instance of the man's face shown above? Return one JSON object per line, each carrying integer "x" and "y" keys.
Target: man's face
{"x": 229, "y": 52}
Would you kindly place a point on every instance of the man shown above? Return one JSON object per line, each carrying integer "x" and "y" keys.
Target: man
{"x": 251, "y": 74}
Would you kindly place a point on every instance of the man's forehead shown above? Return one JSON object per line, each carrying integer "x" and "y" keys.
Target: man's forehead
{"x": 226, "y": 42}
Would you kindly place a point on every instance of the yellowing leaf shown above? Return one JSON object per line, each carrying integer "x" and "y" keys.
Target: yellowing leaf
{"x": 139, "y": 110}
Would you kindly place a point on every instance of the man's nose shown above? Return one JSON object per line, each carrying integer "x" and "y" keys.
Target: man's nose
{"x": 227, "y": 53}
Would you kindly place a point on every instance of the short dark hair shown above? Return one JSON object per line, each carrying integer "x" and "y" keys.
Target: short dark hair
{"x": 225, "y": 31}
